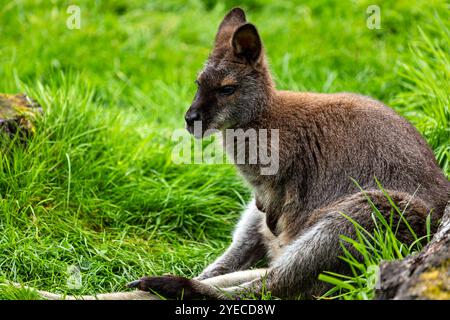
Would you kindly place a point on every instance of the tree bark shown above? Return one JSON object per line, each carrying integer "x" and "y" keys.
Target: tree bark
{"x": 423, "y": 276}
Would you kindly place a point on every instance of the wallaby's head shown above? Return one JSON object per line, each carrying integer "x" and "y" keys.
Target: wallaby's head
{"x": 235, "y": 84}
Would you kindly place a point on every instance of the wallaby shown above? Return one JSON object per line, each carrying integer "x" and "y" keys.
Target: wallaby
{"x": 326, "y": 143}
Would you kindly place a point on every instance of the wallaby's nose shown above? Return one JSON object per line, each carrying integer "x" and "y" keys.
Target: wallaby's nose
{"x": 192, "y": 116}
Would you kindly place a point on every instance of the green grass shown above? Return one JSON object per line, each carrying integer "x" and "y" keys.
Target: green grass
{"x": 96, "y": 187}
{"x": 426, "y": 99}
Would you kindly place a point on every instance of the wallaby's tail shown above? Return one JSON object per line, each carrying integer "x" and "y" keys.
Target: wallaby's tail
{"x": 126, "y": 295}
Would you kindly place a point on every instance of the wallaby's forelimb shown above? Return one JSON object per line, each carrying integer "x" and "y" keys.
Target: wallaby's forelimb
{"x": 246, "y": 249}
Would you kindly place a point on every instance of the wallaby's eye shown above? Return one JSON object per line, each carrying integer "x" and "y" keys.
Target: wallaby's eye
{"x": 227, "y": 90}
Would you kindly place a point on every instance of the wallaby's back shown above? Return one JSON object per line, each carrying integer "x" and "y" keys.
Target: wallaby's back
{"x": 344, "y": 135}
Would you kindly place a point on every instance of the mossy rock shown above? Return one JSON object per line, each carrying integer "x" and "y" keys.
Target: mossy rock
{"x": 18, "y": 113}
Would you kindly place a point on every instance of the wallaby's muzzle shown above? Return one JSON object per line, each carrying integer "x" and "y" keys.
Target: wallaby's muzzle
{"x": 191, "y": 116}
{"x": 194, "y": 121}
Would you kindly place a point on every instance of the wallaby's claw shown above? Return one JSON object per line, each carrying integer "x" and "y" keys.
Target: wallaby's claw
{"x": 134, "y": 284}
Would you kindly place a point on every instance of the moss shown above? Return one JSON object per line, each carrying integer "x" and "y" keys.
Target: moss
{"x": 435, "y": 283}
{"x": 18, "y": 110}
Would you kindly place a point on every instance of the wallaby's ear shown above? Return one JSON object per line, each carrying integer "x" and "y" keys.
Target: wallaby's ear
{"x": 235, "y": 17}
{"x": 230, "y": 22}
{"x": 247, "y": 43}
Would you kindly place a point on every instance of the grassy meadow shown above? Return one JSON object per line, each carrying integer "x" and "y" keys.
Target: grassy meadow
{"x": 95, "y": 194}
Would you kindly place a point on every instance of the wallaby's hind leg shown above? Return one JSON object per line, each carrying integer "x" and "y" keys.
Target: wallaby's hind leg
{"x": 295, "y": 272}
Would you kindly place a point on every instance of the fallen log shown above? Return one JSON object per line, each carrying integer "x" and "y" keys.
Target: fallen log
{"x": 423, "y": 276}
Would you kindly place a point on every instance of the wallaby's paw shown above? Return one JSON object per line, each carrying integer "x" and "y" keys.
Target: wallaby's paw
{"x": 170, "y": 287}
